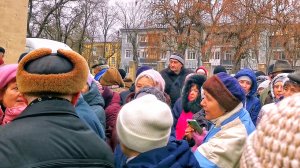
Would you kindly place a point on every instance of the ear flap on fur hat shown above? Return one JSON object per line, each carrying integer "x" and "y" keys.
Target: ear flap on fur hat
{"x": 69, "y": 82}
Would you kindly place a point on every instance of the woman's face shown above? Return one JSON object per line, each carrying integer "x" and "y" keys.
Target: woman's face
{"x": 278, "y": 89}
{"x": 193, "y": 94}
{"x": 211, "y": 107}
{"x": 143, "y": 82}
{"x": 11, "y": 96}
{"x": 246, "y": 85}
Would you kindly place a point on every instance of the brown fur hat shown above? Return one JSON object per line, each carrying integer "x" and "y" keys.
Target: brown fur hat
{"x": 41, "y": 71}
{"x": 112, "y": 77}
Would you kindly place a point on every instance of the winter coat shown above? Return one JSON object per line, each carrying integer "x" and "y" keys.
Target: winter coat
{"x": 174, "y": 82}
{"x": 223, "y": 144}
{"x": 176, "y": 154}
{"x": 112, "y": 108}
{"x": 125, "y": 93}
{"x": 94, "y": 98}
{"x": 50, "y": 134}
{"x": 85, "y": 112}
{"x": 251, "y": 103}
{"x": 182, "y": 124}
{"x": 185, "y": 109}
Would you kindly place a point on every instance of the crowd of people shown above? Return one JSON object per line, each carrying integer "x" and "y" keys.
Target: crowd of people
{"x": 56, "y": 113}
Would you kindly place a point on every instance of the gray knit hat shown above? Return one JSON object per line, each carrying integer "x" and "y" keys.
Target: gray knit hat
{"x": 276, "y": 142}
{"x": 178, "y": 57}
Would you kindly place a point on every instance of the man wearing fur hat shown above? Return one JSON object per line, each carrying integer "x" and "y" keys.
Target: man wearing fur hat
{"x": 174, "y": 76}
{"x": 48, "y": 132}
{"x": 222, "y": 103}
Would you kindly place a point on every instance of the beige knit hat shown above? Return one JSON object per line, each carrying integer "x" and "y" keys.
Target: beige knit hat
{"x": 144, "y": 124}
{"x": 276, "y": 142}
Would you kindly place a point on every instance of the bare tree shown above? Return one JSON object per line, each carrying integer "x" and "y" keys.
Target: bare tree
{"x": 107, "y": 19}
{"x": 39, "y": 15}
{"x": 133, "y": 16}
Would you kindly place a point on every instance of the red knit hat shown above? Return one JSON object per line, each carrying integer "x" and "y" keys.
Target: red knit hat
{"x": 202, "y": 68}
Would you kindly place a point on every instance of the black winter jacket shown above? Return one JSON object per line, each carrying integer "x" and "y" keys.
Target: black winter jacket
{"x": 174, "y": 83}
{"x": 50, "y": 134}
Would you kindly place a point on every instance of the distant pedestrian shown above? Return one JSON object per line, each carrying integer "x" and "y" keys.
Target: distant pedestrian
{"x": 174, "y": 76}
{"x": 247, "y": 79}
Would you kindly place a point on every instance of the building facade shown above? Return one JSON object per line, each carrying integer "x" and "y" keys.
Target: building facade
{"x": 151, "y": 48}
{"x": 110, "y": 51}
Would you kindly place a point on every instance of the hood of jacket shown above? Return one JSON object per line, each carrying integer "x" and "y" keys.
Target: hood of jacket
{"x": 93, "y": 96}
{"x": 175, "y": 154}
{"x": 193, "y": 106}
{"x": 283, "y": 77}
{"x": 251, "y": 75}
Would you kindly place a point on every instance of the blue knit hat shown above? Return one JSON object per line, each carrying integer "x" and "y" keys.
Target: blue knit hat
{"x": 225, "y": 89}
{"x": 142, "y": 69}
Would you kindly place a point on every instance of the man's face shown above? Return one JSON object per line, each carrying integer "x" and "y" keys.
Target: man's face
{"x": 175, "y": 66}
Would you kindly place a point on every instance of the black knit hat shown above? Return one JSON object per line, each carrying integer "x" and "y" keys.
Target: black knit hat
{"x": 219, "y": 69}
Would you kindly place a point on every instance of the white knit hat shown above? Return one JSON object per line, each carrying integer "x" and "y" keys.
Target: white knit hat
{"x": 276, "y": 142}
{"x": 144, "y": 124}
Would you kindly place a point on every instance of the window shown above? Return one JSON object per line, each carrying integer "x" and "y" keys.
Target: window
{"x": 143, "y": 54}
{"x": 217, "y": 55}
{"x": 127, "y": 53}
{"x": 113, "y": 61}
{"x": 128, "y": 39}
{"x": 142, "y": 38}
{"x": 282, "y": 55}
{"x": 94, "y": 50}
{"x": 163, "y": 56}
{"x": 227, "y": 55}
{"x": 192, "y": 56}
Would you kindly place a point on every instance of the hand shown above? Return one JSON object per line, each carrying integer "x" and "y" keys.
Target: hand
{"x": 189, "y": 132}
